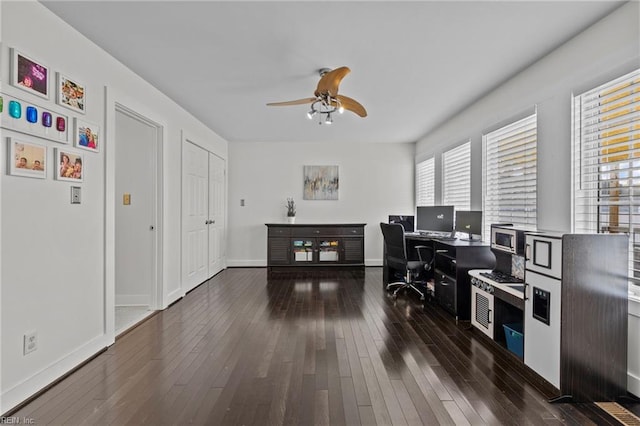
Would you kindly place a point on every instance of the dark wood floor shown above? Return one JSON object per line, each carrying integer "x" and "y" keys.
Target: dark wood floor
{"x": 245, "y": 349}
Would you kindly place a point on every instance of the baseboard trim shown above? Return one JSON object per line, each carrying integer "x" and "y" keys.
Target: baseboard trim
{"x": 173, "y": 297}
{"x": 633, "y": 384}
{"x": 32, "y": 387}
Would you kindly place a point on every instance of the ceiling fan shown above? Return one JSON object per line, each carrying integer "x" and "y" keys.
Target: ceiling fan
{"x": 326, "y": 99}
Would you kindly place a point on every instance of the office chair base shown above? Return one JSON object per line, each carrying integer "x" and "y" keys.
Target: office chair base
{"x": 402, "y": 286}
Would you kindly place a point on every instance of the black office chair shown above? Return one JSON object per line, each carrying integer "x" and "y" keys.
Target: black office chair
{"x": 396, "y": 258}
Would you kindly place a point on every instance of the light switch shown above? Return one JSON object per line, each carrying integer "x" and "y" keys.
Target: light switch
{"x": 126, "y": 199}
{"x": 75, "y": 195}
{"x": 242, "y": 202}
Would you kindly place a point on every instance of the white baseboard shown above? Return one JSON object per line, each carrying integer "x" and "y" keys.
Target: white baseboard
{"x": 633, "y": 384}
{"x": 238, "y": 263}
{"x": 233, "y": 263}
{"x": 177, "y": 294}
{"x": 132, "y": 300}
{"x": 29, "y": 387}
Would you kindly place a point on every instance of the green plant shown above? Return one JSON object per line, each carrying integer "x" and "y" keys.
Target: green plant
{"x": 291, "y": 207}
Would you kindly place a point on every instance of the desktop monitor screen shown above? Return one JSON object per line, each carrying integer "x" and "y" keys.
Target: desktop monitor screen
{"x": 434, "y": 218}
{"x": 469, "y": 222}
{"x": 405, "y": 221}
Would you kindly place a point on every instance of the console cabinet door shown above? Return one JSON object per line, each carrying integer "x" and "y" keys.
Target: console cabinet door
{"x": 279, "y": 251}
{"x": 353, "y": 249}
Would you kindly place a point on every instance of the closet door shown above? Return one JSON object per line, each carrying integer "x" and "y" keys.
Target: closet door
{"x": 195, "y": 215}
{"x": 217, "y": 219}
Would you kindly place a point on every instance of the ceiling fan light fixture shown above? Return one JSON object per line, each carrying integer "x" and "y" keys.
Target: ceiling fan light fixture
{"x": 328, "y": 119}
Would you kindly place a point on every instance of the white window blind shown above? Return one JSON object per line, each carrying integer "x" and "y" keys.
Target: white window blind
{"x": 456, "y": 177}
{"x": 425, "y": 182}
{"x": 509, "y": 174}
{"x": 606, "y": 155}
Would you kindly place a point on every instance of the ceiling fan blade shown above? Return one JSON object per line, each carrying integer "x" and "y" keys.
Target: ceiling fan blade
{"x": 352, "y": 105}
{"x": 329, "y": 82}
{"x": 296, "y": 102}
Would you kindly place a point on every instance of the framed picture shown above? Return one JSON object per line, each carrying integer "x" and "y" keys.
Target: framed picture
{"x": 69, "y": 165}
{"x": 87, "y": 135}
{"x": 27, "y": 159}
{"x": 29, "y": 75}
{"x": 320, "y": 183}
{"x": 70, "y": 93}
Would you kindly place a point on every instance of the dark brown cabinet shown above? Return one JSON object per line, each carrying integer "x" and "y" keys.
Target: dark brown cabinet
{"x": 313, "y": 245}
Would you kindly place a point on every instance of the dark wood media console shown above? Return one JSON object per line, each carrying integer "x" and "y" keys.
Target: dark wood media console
{"x": 314, "y": 245}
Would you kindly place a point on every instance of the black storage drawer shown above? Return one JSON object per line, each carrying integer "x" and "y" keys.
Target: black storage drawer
{"x": 351, "y": 231}
{"x": 279, "y": 231}
{"x": 308, "y": 232}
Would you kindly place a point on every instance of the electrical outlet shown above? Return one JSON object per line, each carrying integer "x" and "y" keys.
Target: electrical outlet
{"x": 30, "y": 342}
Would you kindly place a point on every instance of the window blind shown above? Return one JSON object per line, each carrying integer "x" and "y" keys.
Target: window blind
{"x": 606, "y": 163}
{"x": 510, "y": 174}
{"x": 456, "y": 177}
{"x": 425, "y": 182}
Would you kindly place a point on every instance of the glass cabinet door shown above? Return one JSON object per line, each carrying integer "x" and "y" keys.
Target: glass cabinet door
{"x": 302, "y": 250}
{"x": 328, "y": 250}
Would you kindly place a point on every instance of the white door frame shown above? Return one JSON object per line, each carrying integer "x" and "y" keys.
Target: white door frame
{"x": 120, "y": 102}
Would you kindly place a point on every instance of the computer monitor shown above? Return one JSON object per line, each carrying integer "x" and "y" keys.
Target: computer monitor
{"x": 434, "y": 218}
{"x": 469, "y": 222}
{"x": 406, "y": 221}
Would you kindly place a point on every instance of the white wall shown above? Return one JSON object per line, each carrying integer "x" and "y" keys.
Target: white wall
{"x": 375, "y": 180}
{"x": 607, "y": 50}
{"x": 57, "y": 275}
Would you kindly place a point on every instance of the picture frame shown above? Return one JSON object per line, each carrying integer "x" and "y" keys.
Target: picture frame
{"x": 27, "y": 159}
{"x": 70, "y": 93}
{"x": 29, "y": 75}
{"x": 320, "y": 183}
{"x": 86, "y": 135}
{"x": 69, "y": 165}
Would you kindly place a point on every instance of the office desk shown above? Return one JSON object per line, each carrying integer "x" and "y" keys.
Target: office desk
{"x": 453, "y": 260}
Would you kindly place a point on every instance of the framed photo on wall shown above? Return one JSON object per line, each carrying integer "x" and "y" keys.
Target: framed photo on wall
{"x": 86, "y": 135}
{"x": 70, "y": 93}
{"x": 29, "y": 74}
{"x": 27, "y": 159}
{"x": 70, "y": 165}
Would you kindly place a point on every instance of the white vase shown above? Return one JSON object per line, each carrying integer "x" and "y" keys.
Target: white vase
{"x": 291, "y": 219}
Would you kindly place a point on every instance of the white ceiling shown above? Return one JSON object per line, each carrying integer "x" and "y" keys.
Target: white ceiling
{"x": 413, "y": 64}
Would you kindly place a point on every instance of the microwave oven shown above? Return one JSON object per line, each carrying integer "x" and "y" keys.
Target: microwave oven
{"x": 506, "y": 238}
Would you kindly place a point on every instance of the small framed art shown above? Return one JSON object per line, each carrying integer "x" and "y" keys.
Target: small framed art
{"x": 70, "y": 165}
{"x": 29, "y": 75}
{"x": 70, "y": 93}
{"x": 87, "y": 135}
{"x": 27, "y": 159}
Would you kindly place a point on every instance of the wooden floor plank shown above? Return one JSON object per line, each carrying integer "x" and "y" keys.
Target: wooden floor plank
{"x": 300, "y": 348}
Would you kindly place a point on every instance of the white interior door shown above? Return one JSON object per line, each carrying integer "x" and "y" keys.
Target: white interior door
{"x": 217, "y": 218}
{"x": 135, "y": 211}
{"x": 195, "y": 215}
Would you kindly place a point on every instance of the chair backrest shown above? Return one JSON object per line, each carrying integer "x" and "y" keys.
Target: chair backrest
{"x": 396, "y": 251}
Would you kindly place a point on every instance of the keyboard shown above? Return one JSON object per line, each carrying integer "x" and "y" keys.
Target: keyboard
{"x": 445, "y": 238}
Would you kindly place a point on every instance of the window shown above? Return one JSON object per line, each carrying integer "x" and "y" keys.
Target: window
{"x": 456, "y": 177}
{"x": 606, "y": 164}
{"x": 425, "y": 182}
{"x": 509, "y": 174}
